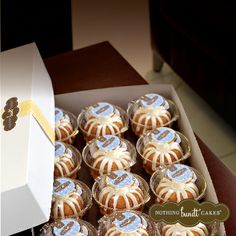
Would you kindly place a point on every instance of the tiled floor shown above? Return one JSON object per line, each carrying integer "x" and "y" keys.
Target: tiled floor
{"x": 125, "y": 24}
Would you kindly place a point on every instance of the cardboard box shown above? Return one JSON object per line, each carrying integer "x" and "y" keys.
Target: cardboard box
{"x": 121, "y": 96}
{"x": 26, "y": 152}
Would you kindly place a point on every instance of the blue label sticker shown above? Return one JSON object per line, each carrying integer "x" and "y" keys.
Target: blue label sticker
{"x": 63, "y": 187}
{"x": 69, "y": 152}
{"x": 66, "y": 227}
{"x": 59, "y": 149}
{"x": 152, "y": 100}
{"x": 58, "y": 114}
{"x": 179, "y": 173}
{"x": 102, "y": 109}
{"x": 120, "y": 179}
{"x": 108, "y": 142}
{"x": 127, "y": 222}
{"x": 163, "y": 135}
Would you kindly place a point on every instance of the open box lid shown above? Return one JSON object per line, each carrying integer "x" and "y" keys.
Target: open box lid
{"x": 27, "y": 137}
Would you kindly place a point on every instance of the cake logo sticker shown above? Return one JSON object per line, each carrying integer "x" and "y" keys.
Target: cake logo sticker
{"x": 58, "y": 114}
{"x": 120, "y": 179}
{"x": 63, "y": 187}
{"x": 180, "y": 173}
{"x": 102, "y": 109}
{"x": 9, "y": 115}
{"x": 108, "y": 142}
{"x": 164, "y": 135}
{"x": 59, "y": 149}
{"x": 189, "y": 212}
{"x": 127, "y": 222}
{"x": 66, "y": 227}
{"x": 152, "y": 99}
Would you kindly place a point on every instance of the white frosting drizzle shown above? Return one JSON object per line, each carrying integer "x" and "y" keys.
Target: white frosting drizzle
{"x": 141, "y": 231}
{"x": 60, "y": 163}
{"x": 147, "y": 114}
{"x": 64, "y": 124}
{"x": 119, "y": 156}
{"x": 167, "y": 187}
{"x": 178, "y": 229}
{"x": 102, "y": 123}
{"x": 126, "y": 192}
{"x": 114, "y": 232}
{"x": 162, "y": 153}
{"x": 71, "y": 200}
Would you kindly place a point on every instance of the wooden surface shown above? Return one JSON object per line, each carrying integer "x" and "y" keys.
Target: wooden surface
{"x": 97, "y": 66}
{"x": 100, "y": 66}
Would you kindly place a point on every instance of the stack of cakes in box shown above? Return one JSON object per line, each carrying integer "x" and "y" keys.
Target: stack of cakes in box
{"x": 120, "y": 184}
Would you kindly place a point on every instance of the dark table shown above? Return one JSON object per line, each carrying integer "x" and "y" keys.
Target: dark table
{"x": 101, "y": 66}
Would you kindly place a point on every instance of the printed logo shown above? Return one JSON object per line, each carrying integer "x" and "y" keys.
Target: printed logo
{"x": 152, "y": 99}
{"x": 179, "y": 173}
{"x": 120, "y": 179}
{"x": 108, "y": 142}
{"x": 66, "y": 227}
{"x": 164, "y": 135}
{"x": 58, "y": 114}
{"x": 189, "y": 212}
{"x": 127, "y": 221}
{"x": 9, "y": 115}
{"x": 63, "y": 187}
{"x": 59, "y": 149}
{"x": 102, "y": 109}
